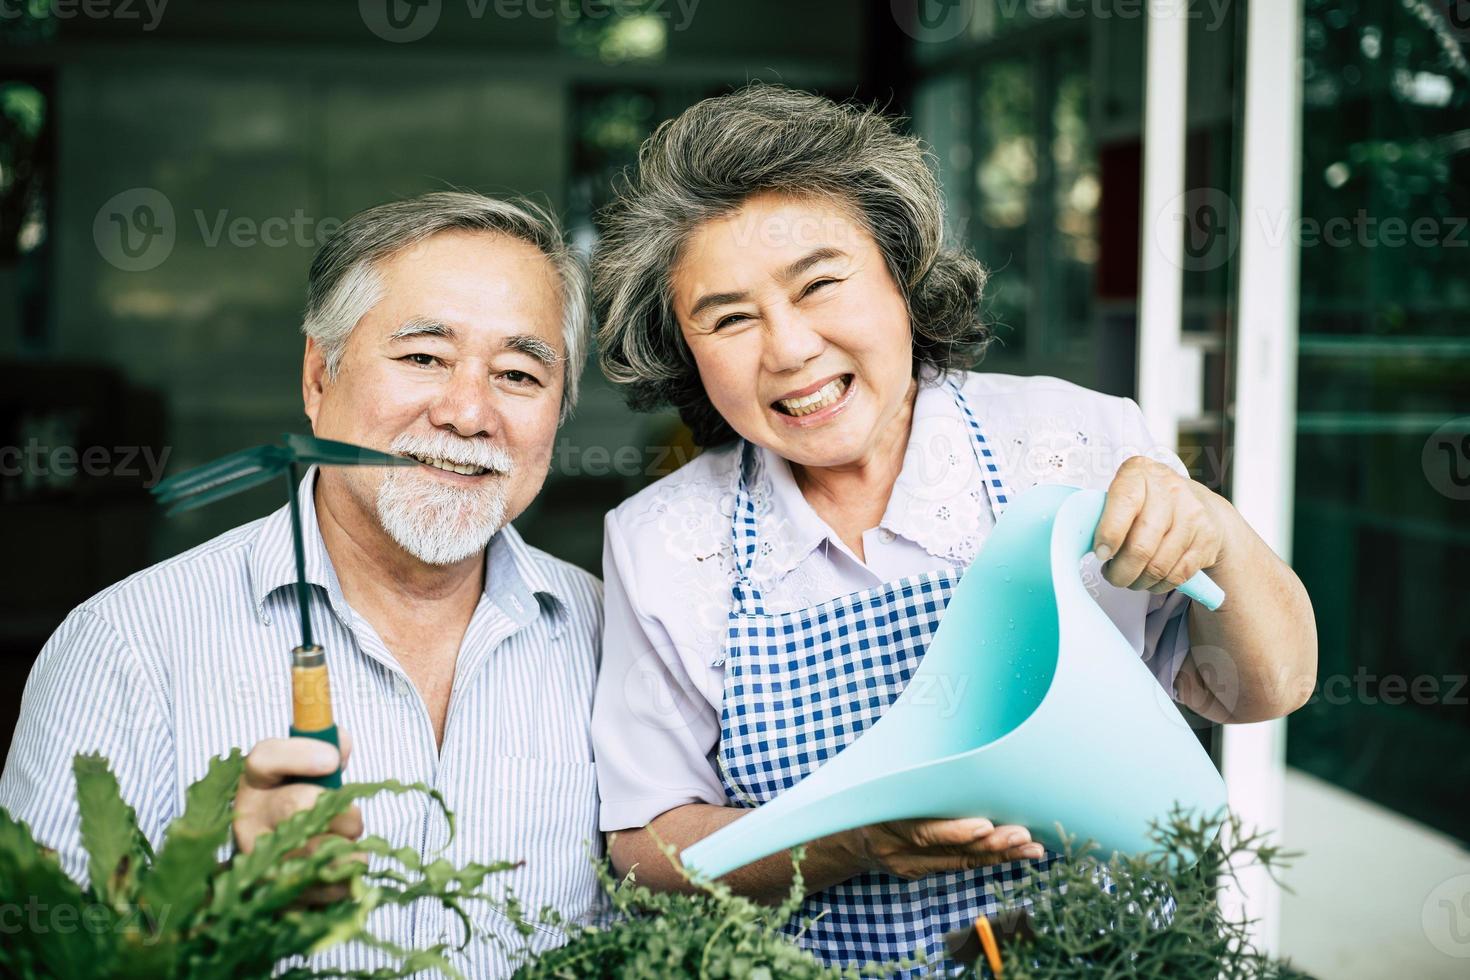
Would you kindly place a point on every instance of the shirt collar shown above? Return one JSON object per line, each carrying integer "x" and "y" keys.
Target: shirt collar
{"x": 514, "y": 580}
{"x": 939, "y": 455}
{"x": 273, "y": 559}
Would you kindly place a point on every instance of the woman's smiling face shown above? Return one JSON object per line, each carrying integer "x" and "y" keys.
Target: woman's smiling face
{"x": 799, "y": 331}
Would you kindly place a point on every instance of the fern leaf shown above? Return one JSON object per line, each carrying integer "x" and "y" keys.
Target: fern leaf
{"x": 178, "y": 879}
{"x": 116, "y": 849}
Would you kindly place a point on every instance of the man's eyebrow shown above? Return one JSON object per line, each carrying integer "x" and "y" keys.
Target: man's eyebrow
{"x": 422, "y": 326}
{"x": 533, "y": 347}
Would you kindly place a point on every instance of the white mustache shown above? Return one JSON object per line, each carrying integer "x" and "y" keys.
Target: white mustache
{"x": 465, "y": 452}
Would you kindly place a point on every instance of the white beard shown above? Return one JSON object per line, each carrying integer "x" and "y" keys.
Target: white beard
{"x": 436, "y": 523}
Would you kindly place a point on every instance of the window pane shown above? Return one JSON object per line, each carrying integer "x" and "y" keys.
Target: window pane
{"x": 1383, "y": 454}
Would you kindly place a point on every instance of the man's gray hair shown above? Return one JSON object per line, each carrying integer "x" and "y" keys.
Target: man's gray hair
{"x": 704, "y": 164}
{"x": 344, "y": 283}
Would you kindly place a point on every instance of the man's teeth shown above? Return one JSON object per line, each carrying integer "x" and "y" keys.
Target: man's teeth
{"x": 444, "y": 464}
{"x": 817, "y": 400}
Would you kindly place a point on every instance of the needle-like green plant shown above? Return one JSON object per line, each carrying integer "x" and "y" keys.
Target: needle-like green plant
{"x": 709, "y": 933}
{"x": 1143, "y": 917}
{"x": 181, "y": 913}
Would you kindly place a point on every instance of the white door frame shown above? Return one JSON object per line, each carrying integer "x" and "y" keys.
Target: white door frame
{"x": 1264, "y": 433}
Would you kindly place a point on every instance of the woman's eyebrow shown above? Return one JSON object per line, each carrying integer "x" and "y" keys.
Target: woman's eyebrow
{"x": 716, "y": 299}
{"x": 814, "y": 257}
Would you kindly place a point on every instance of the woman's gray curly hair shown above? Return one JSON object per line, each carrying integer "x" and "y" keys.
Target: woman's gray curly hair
{"x": 704, "y": 164}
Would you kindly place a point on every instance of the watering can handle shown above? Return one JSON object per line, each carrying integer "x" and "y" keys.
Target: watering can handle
{"x": 1203, "y": 590}
{"x": 1089, "y": 503}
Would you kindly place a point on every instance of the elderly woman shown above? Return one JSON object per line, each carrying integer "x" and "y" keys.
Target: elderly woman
{"x": 774, "y": 270}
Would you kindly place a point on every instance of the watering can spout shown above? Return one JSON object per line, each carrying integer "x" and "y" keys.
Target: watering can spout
{"x": 1010, "y": 751}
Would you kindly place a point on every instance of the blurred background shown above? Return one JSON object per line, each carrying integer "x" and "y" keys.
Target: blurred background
{"x": 1252, "y": 216}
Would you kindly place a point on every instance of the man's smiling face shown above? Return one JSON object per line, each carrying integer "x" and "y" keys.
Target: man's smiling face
{"x": 459, "y": 364}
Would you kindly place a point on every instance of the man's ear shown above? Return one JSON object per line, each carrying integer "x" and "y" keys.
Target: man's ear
{"x": 313, "y": 379}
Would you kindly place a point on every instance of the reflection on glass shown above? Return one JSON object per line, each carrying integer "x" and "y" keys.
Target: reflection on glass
{"x": 1004, "y": 178}
{"x": 614, "y": 31}
{"x": 608, "y": 126}
{"x": 942, "y": 118}
{"x": 1382, "y": 528}
{"x": 1076, "y": 192}
{"x": 22, "y": 176}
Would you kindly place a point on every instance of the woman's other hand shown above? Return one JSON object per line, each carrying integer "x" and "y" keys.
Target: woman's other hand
{"x": 915, "y": 848}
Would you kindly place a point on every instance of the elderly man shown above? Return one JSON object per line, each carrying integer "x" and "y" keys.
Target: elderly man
{"x": 450, "y": 329}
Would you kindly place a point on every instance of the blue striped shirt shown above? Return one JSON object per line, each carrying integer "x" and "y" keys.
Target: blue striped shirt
{"x": 190, "y": 658}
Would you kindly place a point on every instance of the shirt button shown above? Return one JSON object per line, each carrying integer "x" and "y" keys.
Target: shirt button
{"x": 885, "y": 535}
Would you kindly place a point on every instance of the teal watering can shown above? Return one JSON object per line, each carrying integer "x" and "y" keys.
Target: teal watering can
{"x": 1057, "y": 720}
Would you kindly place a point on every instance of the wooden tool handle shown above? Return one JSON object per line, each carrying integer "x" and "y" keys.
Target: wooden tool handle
{"x": 311, "y": 705}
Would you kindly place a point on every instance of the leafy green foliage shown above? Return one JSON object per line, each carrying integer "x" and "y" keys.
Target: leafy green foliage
{"x": 712, "y": 933}
{"x": 1145, "y": 916}
{"x": 183, "y": 914}
{"x": 109, "y": 831}
{"x": 1079, "y": 926}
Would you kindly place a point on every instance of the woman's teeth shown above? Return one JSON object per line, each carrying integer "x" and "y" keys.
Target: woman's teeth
{"x": 828, "y": 394}
{"x": 444, "y": 464}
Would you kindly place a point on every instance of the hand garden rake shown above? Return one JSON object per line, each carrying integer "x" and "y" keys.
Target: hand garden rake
{"x": 311, "y": 700}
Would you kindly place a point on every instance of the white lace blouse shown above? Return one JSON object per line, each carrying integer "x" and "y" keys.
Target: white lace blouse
{"x": 669, "y": 566}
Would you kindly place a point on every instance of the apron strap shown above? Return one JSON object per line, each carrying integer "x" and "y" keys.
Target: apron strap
{"x": 994, "y": 479}
{"x": 743, "y": 525}
{"x": 743, "y": 531}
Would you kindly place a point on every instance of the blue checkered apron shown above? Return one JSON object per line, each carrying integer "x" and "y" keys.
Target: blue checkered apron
{"x": 801, "y": 685}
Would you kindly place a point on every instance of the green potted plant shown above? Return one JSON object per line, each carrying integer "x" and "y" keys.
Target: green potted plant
{"x": 180, "y": 912}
